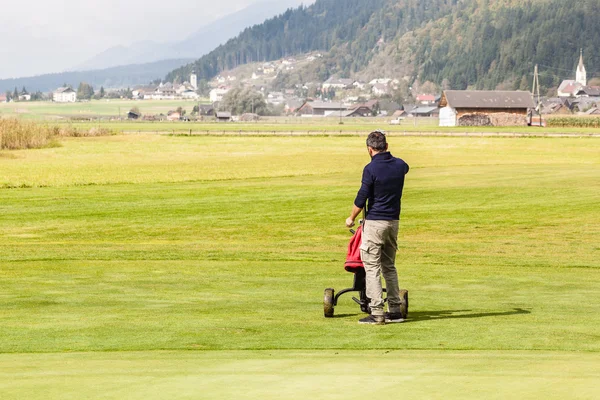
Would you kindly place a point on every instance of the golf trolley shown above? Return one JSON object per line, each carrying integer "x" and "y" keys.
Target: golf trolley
{"x": 355, "y": 266}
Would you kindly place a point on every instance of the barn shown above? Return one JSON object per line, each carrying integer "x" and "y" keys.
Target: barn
{"x": 485, "y": 108}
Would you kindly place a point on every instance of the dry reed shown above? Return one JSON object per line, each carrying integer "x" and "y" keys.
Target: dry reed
{"x": 18, "y": 134}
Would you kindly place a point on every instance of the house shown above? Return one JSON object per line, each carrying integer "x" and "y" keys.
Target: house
{"x": 218, "y": 93}
{"x": 593, "y": 111}
{"x": 588, "y": 91}
{"x": 367, "y": 109}
{"x": 133, "y": 114}
{"x": 380, "y": 89}
{"x": 359, "y": 85}
{"x": 190, "y": 94}
{"x": 320, "y": 108}
{"x": 337, "y": 83}
{"x": 275, "y": 98}
{"x": 223, "y": 116}
{"x": 269, "y": 68}
{"x": 292, "y": 106}
{"x": 380, "y": 81}
{"x": 583, "y": 103}
{"x": 64, "y": 95}
{"x": 3, "y": 98}
{"x": 568, "y": 88}
{"x": 556, "y": 108}
{"x": 426, "y": 111}
{"x": 388, "y": 105}
{"x": 485, "y": 108}
{"x": 173, "y": 116}
{"x": 426, "y": 99}
{"x": 24, "y": 95}
{"x": 399, "y": 114}
{"x": 206, "y": 109}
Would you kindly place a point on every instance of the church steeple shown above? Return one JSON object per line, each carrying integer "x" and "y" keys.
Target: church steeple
{"x": 580, "y": 75}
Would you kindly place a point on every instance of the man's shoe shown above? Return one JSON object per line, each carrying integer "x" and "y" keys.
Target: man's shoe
{"x": 393, "y": 317}
{"x": 373, "y": 320}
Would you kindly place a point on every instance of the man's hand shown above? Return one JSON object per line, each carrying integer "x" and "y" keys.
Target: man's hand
{"x": 349, "y": 222}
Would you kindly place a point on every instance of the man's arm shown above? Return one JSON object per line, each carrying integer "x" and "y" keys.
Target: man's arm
{"x": 361, "y": 198}
{"x": 353, "y": 215}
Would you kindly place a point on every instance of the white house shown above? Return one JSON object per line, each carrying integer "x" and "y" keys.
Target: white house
{"x": 337, "y": 83}
{"x": 218, "y": 93}
{"x": 380, "y": 89}
{"x": 64, "y": 95}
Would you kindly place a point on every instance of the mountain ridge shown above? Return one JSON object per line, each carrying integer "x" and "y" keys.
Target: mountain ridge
{"x": 115, "y": 77}
{"x": 482, "y": 44}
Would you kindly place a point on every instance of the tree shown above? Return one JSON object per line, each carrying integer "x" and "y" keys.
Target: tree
{"x": 102, "y": 92}
{"x": 180, "y": 110}
{"x": 15, "y": 95}
{"x": 203, "y": 88}
{"x": 85, "y": 91}
{"x": 244, "y": 100}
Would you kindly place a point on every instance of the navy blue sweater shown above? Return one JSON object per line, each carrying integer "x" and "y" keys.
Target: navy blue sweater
{"x": 382, "y": 185}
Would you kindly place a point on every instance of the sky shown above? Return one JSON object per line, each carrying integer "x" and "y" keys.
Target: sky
{"x": 45, "y": 36}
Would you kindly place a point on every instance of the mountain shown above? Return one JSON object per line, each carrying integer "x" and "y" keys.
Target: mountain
{"x": 484, "y": 44}
{"x": 116, "y": 77}
{"x": 196, "y": 45}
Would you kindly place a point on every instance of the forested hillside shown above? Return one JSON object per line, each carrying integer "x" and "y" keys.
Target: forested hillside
{"x": 454, "y": 43}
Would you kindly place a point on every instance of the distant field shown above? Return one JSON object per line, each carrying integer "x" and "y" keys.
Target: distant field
{"x": 94, "y": 108}
{"x": 99, "y": 110}
{"x": 155, "y": 267}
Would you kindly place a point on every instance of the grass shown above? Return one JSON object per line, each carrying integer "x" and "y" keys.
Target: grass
{"x": 94, "y": 108}
{"x": 100, "y": 113}
{"x": 164, "y": 267}
{"x": 328, "y": 126}
{"x": 302, "y": 375}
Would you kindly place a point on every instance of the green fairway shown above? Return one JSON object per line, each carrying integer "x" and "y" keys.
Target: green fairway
{"x": 301, "y": 375}
{"x": 217, "y": 250}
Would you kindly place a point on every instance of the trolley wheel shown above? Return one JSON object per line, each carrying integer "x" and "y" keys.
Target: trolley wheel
{"x": 404, "y": 303}
{"x": 328, "y": 303}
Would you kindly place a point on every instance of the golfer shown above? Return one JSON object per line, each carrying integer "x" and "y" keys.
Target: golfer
{"x": 382, "y": 184}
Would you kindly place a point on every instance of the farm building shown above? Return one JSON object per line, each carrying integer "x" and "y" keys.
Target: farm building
{"x": 64, "y": 95}
{"x": 485, "y": 108}
{"x": 223, "y": 116}
{"x": 320, "y": 108}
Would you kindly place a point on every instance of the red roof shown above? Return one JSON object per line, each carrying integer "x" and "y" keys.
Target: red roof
{"x": 425, "y": 97}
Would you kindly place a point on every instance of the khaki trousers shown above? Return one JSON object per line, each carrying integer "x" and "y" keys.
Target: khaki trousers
{"x": 378, "y": 253}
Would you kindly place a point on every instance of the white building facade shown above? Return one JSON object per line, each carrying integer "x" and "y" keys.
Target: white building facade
{"x": 217, "y": 94}
{"x": 64, "y": 95}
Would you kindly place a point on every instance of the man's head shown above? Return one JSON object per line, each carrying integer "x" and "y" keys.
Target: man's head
{"x": 376, "y": 143}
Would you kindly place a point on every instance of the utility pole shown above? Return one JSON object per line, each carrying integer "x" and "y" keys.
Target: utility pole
{"x": 536, "y": 92}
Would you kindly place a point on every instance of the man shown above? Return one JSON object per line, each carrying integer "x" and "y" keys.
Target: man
{"x": 382, "y": 185}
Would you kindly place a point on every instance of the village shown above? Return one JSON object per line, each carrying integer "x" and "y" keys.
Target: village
{"x": 348, "y": 98}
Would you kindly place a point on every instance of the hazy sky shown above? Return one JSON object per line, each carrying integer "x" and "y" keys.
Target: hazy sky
{"x": 42, "y": 36}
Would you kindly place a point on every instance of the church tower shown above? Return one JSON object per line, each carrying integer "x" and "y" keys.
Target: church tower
{"x": 581, "y": 76}
{"x": 194, "y": 80}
